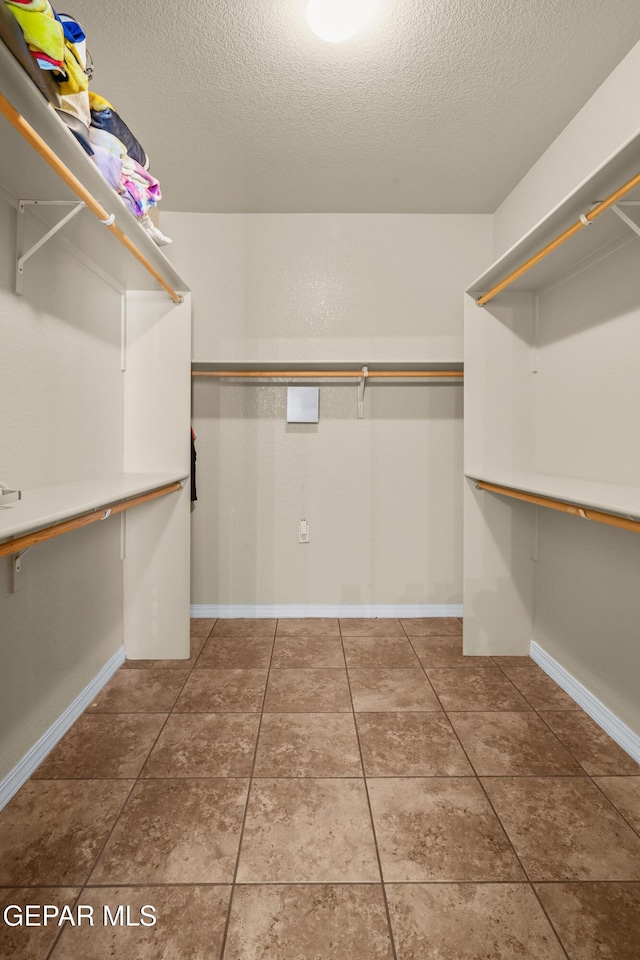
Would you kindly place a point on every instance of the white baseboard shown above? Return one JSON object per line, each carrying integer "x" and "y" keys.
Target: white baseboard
{"x": 225, "y": 611}
{"x": 31, "y": 760}
{"x": 623, "y": 735}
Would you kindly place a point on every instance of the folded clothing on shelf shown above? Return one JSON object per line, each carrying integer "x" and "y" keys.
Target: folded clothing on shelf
{"x": 104, "y": 117}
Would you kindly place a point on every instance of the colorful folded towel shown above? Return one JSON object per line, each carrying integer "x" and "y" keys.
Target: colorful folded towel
{"x": 42, "y": 32}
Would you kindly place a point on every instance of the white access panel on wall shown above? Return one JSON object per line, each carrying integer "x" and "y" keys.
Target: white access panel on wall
{"x": 303, "y": 404}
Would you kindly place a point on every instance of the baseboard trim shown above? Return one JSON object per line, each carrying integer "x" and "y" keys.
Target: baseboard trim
{"x": 623, "y": 735}
{"x": 225, "y": 611}
{"x": 10, "y": 785}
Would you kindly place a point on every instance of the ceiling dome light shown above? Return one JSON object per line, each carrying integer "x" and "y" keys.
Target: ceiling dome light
{"x": 337, "y": 20}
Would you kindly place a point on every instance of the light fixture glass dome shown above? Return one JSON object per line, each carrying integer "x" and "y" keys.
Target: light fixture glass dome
{"x": 337, "y": 20}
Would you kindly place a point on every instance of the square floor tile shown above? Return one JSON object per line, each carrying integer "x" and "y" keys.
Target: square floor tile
{"x": 470, "y": 921}
{"x": 308, "y": 831}
{"x": 470, "y": 688}
{"x": 445, "y": 652}
{"x": 541, "y": 691}
{"x": 190, "y": 924}
{"x": 307, "y": 691}
{"x": 370, "y": 627}
{"x": 386, "y": 652}
{"x": 299, "y": 652}
{"x": 595, "y": 921}
{"x": 248, "y": 653}
{"x": 197, "y": 643}
{"x": 380, "y": 691}
{"x": 175, "y": 831}
{"x": 102, "y": 746}
{"x": 308, "y": 627}
{"x": 410, "y": 745}
{"x": 590, "y": 745}
{"x": 308, "y": 745}
{"x": 202, "y": 626}
{"x": 511, "y": 744}
{"x": 245, "y": 628}
{"x": 223, "y": 691}
{"x": 624, "y": 793}
{"x": 564, "y": 829}
{"x": 432, "y": 626}
{"x": 205, "y": 745}
{"x": 439, "y": 830}
{"x": 33, "y": 942}
{"x": 52, "y": 830}
{"x": 314, "y": 922}
{"x": 140, "y": 691}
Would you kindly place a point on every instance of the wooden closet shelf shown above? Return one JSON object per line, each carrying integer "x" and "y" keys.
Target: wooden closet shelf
{"x": 49, "y": 512}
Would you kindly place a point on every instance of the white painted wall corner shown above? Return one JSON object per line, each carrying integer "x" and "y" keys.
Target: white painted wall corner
{"x": 10, "y": 785}
{"x": 623, "y": 735}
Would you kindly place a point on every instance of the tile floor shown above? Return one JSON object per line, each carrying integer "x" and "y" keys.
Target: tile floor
{"x": 329, "y": 790}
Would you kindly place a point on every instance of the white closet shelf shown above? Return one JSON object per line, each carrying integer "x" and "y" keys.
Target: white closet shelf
{"x": 45, "y": 507}
{"x": 621, "y": 500}
{"x": 607, "y": 230}
{"x": 342, "y": 370}
{"x": 27, "y": 176}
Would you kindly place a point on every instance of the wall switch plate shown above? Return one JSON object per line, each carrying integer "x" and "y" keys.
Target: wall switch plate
{"x": 303, "y": 532}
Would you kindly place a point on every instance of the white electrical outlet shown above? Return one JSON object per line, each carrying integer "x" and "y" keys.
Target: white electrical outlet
{"x": 303, "y": 532}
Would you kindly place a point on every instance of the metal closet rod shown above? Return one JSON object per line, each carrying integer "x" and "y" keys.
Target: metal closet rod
{"x": 40, "y": 146}
{"x": 611, "y": 519}
{"x": 18, "y": 544}
{"x": 584, "y": 221}
{"x": 331, "y": 374}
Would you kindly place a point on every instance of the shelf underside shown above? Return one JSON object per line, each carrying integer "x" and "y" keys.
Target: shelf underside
{"x": 606, "y": 230}
{"x": 622, "y": 500}
{"x": 44, "y": 506}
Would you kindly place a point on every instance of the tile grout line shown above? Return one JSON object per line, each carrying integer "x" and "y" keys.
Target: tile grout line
{"x": 495, "y": 813}
{"x": 366, "y": 790}
{"x": 223, "y": 944}
{"x": 125, "y": 802}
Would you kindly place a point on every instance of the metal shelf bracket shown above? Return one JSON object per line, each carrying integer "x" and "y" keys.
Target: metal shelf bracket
{"x": 362, "y": 382}
{"x": 623, "y": 216}
{"x": 16, "y": 567}
{"x": 22, "y": 257}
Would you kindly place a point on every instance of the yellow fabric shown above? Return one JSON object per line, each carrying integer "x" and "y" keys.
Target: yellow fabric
{"x": 77, "y": 81}
{"x": 98, "y": 103}
{"x": 40, "y": 28}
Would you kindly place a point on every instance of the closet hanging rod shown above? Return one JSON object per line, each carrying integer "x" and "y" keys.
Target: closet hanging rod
{"x": 19, "y": 544}
{"x": 586, "y": 513}
{"x": 330, "y": 374}
{"x": 53, "y": 160}
{"x": 583, "y": 221}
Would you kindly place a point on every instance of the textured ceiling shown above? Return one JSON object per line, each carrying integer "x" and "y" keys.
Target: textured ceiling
{"x": 440, "y": 106}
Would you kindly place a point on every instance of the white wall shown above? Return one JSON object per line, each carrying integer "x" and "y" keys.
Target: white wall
{"x": 382, "y": 495}
{"x": 587, "y": 403}
{"x": 61, "y": 420}
{"x": 608, "y": 120}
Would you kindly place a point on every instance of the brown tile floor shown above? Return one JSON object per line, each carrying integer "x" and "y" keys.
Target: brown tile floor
{"x": 329, "y": 790}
